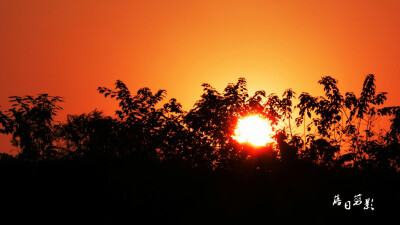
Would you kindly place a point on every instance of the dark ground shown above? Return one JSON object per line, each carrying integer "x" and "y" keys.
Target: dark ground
{"x": 136, "y": 191}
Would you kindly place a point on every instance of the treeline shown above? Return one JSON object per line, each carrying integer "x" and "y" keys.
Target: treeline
{"x": 336, "y": 130}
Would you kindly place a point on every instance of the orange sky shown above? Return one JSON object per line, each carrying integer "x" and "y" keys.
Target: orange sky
{"x": 70, "y": 47}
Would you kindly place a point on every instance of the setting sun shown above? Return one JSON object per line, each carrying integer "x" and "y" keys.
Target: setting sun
{"x": 253, "y": 130}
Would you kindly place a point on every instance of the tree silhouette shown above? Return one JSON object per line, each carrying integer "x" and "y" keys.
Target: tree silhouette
{"x": 338, "y": 123}
{"x": 143, "y": 125}
{"x": 338, "y": 129}
{"x": 91, "y": 134}
{"x": 214, "y": 117}
{"x": 156, "y": 162}
{"x": 288, "y": 152}
{"x": 387, "y": 155}
{"x": 30, "y": 121}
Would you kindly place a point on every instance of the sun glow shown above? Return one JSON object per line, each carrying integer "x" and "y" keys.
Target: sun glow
{"x": 253, "y": 130}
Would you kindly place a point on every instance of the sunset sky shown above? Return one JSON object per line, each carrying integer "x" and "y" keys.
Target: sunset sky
{"x": 71, "y": 47}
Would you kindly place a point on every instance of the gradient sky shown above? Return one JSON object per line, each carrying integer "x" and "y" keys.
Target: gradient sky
{"x": 71, "y": 47}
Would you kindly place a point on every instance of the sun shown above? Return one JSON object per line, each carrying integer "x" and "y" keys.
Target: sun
{"x": 253, "y": 130}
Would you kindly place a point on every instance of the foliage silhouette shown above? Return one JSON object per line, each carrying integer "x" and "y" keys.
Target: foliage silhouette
{"x": 91, "y": 134}
{"x": 338, "y": 123}
{"x": 30, "y": 121}
{"x": 214, "y": 117}
{"x": 338, "y": 130}
{"x": 145, "y": 127}
{"x": 156, "y": 162}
